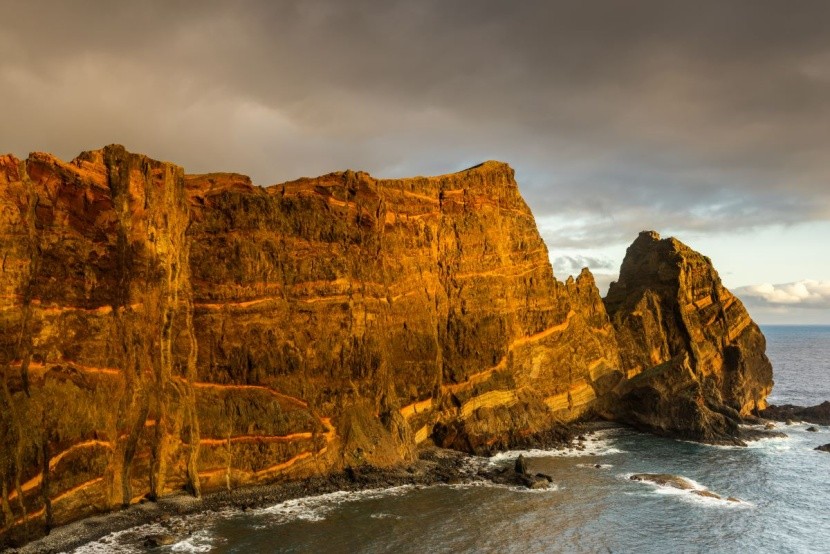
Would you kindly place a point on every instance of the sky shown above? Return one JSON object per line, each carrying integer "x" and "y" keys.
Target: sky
{"x": 708, "y": 121}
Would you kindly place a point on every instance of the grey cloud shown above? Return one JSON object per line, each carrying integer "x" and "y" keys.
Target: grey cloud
{"x": 617, "y": 116}
{"x": 571, "y": 265}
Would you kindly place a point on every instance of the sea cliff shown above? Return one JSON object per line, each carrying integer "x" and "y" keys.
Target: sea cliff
{"x": 164, "y": 332}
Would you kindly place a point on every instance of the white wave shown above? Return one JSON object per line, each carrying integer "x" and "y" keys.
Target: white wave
{"x": 315, "y": 508}
{"x": 383, "y": 515}
{"x": 596, "y": 466}
{"x": 552, "y": 487}
{"x": 600, "y": 443}
{"x": 126, "y": 541}
{"x": 599, "y": 448}
{"x": 688, "y": 495}
{"x": 200, "y": 541}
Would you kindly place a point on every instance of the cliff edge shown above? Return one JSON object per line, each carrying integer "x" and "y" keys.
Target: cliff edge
{"x": 165, "y": 332}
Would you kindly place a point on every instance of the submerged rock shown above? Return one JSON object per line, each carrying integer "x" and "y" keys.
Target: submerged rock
{"x": 706, "y": 494}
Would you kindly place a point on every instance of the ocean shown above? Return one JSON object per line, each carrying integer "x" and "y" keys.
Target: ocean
{"x": 783, "y": 488}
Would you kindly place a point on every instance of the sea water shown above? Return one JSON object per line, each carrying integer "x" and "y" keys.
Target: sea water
{"x": 783, "y": 488}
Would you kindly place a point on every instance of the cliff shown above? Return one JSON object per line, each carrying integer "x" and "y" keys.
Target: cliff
{"x": 165, "y": 332}
{"x": 693, "y": 358}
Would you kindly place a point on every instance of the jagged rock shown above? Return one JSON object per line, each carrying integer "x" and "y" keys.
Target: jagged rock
{"x": 819, "y": 414}
{"x": 162, "y": 331}
{"x": 520, "y": 467}
{"x": 694, "y": 359}
{"x": 824, "y": 447}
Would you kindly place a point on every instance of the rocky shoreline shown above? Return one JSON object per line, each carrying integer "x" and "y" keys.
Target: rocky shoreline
{"x": 433, "y": 466}
{"x": 818, "y": 414}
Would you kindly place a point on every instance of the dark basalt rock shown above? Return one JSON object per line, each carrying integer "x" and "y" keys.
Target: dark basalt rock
{"x": 819, "y": 414}
{"x": 824, "y": 447}
{"x": 520, "y": 467}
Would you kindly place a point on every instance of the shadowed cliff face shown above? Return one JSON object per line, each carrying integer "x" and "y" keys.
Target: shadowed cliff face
{"x": 163, "y": 331}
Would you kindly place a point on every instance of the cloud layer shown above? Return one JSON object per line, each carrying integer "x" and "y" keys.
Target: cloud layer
{"x": 801, "y": 294}
{"x": 618, "y": 116}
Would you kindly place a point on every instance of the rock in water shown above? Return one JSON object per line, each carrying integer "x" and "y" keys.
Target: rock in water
{"x": 664, "y": 479}
{"x": 521, "y": 466}
{"x": 824, "y": 447}
{"x": 819, "y": 414}
{"x": 677, "y": 482}
{"x": 693, "y": 358}
{"x": 195, "y": 332}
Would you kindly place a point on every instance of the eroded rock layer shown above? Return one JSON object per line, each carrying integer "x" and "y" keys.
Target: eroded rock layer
{"x": 165, "y": 332}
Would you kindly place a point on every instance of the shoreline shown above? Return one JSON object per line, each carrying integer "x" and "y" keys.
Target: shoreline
{"x": 433, "y": 466}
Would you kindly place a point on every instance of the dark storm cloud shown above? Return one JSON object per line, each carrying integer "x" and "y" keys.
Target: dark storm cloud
{"x": 617, "y": 116}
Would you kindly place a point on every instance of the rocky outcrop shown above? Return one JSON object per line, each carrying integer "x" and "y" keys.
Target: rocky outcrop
{"x": 693, "y": 358}
{"x": 819, "y": 413}
{"x": 164, "y": 332}
{"x": 680, "y": 483}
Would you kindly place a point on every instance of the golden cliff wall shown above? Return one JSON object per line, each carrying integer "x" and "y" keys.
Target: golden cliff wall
{"x": 164, "y": 332}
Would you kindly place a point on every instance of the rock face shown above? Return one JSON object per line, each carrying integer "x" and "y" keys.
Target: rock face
{"x": 162, "y": 332}
{"x": 693, "y": 358}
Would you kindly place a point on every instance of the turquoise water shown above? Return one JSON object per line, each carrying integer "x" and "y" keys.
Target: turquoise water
{"x": 783, "y": 486}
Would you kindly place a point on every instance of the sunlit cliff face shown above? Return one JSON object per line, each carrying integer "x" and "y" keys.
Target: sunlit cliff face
{"x": 162, "y": 331}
